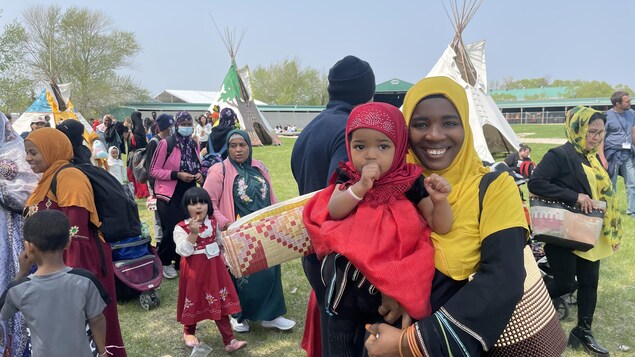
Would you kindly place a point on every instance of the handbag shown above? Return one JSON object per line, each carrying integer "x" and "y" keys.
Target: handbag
{"x": 267, "y": 237}
{"x": 556, "y": 223}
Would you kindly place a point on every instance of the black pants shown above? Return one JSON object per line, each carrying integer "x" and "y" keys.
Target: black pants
{"x": 171, "y": 213}
{"x": 565, "y": 266}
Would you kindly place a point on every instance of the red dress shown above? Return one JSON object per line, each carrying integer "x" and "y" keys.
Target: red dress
{"x": 84, "y": 253}
{"x": 206, "y": 291}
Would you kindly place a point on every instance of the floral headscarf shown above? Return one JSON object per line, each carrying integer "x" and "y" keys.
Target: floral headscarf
{"x": 576, "y": 128}
{"x": 187, "y": 146}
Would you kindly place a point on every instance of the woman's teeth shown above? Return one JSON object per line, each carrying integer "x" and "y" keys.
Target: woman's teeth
{"x": 436, "y": 151}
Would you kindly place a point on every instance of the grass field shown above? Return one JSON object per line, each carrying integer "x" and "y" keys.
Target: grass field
{"x": 156, "y": 332}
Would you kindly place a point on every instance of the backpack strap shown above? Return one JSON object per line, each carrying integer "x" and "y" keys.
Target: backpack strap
{"x": 486, "y": 180}
{"x": 54, "y": 181}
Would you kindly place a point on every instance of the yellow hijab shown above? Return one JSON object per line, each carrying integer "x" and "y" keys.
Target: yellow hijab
{"x": 576, "y": 129}
{"x": 458, "y": 253}
{"x": 73, "y": 187}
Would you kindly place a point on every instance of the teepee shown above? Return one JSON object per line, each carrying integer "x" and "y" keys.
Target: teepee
{"x": 55, "y": 102}
{"x": 236, "y": 93}
{"x": 466, "y": 65}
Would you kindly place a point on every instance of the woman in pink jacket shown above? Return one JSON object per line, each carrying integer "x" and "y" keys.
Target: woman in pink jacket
{"x": 239, "y": 186}
{"x": 175, "y": 168}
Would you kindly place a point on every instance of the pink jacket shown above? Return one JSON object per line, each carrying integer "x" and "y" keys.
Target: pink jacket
{"x": 220, "y": 189}
{"x": 164, "y": 171}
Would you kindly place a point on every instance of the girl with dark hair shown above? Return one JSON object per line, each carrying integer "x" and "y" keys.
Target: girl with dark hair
{"x": 206, "y": 291}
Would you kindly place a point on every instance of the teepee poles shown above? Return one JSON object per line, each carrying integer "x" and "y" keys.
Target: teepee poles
{"x": 461, "y": 15}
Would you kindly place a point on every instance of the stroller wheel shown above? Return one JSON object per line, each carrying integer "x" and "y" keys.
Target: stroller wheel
{"x": 562, "y": 308}
{"x": 145, "y": 300}
{"x": 155, "y": 300}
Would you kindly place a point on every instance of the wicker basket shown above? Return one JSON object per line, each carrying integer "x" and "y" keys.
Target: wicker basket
{"x": 268, "y": 237}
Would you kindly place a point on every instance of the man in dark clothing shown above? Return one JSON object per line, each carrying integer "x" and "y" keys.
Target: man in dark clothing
{"x": 114, "y": 133}
{"x": 516, "y": 160}
{"x": 319, "y": 149}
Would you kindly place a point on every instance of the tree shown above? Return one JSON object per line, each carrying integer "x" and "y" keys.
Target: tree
{"x": 574, "y": 88}
{"x": 79, "y": 46}
{"x": 288, "y": 83}
{"x": 15, "y": 86}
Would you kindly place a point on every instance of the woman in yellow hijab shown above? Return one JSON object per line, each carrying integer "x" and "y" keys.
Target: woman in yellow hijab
{"x": 479, "y": 263}
{"x": 573, "y": 174}
{"x": 48, "y": 150}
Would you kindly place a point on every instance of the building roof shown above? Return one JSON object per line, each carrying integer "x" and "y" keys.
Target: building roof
{"x": 528, "y": 93}
{"x": 394, "y": 85}
{"x": 191, "y": 96}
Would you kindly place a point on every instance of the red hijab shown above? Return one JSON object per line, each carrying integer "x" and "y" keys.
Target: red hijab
{"x": 400, "y": 176}
{"x": 385, "y": 237}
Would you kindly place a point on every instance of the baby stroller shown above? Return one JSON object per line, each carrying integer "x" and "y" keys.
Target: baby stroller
{"x": 137, "y": 270}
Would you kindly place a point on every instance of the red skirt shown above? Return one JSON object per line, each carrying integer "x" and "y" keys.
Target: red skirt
{"x": 206, "y": 291}
{"x": 140, "y": 189}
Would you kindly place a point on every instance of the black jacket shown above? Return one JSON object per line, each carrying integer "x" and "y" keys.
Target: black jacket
{"x": 560, "y": 175}
{"x": 138, "y": 131}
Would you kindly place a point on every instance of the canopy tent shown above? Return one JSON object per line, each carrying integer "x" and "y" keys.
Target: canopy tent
{"x": 236, "y": 93}
{"x": 466, "y": 65}
{"x": 55, "y": 102}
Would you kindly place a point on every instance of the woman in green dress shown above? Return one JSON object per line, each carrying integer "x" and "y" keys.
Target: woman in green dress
{"x": 240, "y": 186}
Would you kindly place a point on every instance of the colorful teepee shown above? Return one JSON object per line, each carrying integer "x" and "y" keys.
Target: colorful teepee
{"x": 466, "y": 65}
{"x": 235, "y": 93}
{"x": 55, "y": 102}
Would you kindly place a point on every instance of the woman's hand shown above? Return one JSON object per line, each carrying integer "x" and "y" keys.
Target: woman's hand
{"x": 185, "y": 177}
{"x": 585, "y": 202}
{"x": 384, "y": 341}
{"x": 438, "y": 187}
{"x": 391, "y": 311}
{"x": 199, "y": 178}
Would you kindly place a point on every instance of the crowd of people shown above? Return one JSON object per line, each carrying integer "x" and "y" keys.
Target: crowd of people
{"x": 402, "y": 193}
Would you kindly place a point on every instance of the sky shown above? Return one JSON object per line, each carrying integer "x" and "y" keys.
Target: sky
{"x": 181, "y": 49}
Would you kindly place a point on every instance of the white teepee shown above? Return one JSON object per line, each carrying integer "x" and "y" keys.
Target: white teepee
{"x": 466, "y": 65}
{"x": 236, "y": 93}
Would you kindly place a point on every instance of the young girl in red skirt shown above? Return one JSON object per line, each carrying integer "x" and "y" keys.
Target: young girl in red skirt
{"x": 206, "y": 291}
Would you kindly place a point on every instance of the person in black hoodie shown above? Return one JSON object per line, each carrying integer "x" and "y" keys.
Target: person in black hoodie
{"x": 138, "y": 132}
{"x": 316, "y": 153}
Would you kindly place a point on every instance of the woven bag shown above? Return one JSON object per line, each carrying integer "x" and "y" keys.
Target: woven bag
{"x": 534, "y": 329}
{"x": 556, "y": 223}
{"x": 267, "y": 237}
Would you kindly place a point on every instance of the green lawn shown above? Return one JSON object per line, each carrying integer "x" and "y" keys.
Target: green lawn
{"x": 156, "y": 332}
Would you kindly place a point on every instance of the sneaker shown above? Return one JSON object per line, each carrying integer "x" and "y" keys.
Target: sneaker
{"x": 239, "y": 326}
{"x": 169, "y": 272}
{"x": 280, "y": 323}
{"x": 235, "y": 345}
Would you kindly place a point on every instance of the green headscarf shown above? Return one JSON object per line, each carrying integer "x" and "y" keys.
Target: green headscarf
{"x": 251, "y": 190}
{"x": 576, "y": 129}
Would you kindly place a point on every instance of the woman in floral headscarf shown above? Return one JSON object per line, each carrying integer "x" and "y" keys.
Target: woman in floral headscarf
{"x": 176, "y": 168}
{"x": 237, "y": 187}
{"x": 17, "y": 181}
{"x": 573, "y": 174}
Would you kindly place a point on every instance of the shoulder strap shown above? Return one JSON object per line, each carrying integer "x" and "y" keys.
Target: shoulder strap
{"x": 171, "y": 141}
{"x": 486, "y": 180}
{"x": 54, "y": 181}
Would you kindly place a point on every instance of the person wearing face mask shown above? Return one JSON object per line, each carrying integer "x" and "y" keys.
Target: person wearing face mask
{"x": 175, "y": 168}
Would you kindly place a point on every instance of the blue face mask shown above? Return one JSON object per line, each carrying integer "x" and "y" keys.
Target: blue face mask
{"x": 185, "y": 130}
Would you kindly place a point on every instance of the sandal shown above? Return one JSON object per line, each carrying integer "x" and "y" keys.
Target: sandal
{"x": 235, "y": 345}
{"x": 190, "y": 340}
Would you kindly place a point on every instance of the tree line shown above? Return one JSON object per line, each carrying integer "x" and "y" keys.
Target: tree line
{"x": 573, "y": 88}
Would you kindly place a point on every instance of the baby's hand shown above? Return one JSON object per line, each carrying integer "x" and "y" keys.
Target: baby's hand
{"x": 437, "y": 186}
{"x": 195, "y": 225}
{"x": 370, "y": 173}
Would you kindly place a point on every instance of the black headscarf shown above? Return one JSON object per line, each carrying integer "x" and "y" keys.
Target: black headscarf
{"x": 74, "y": 130}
